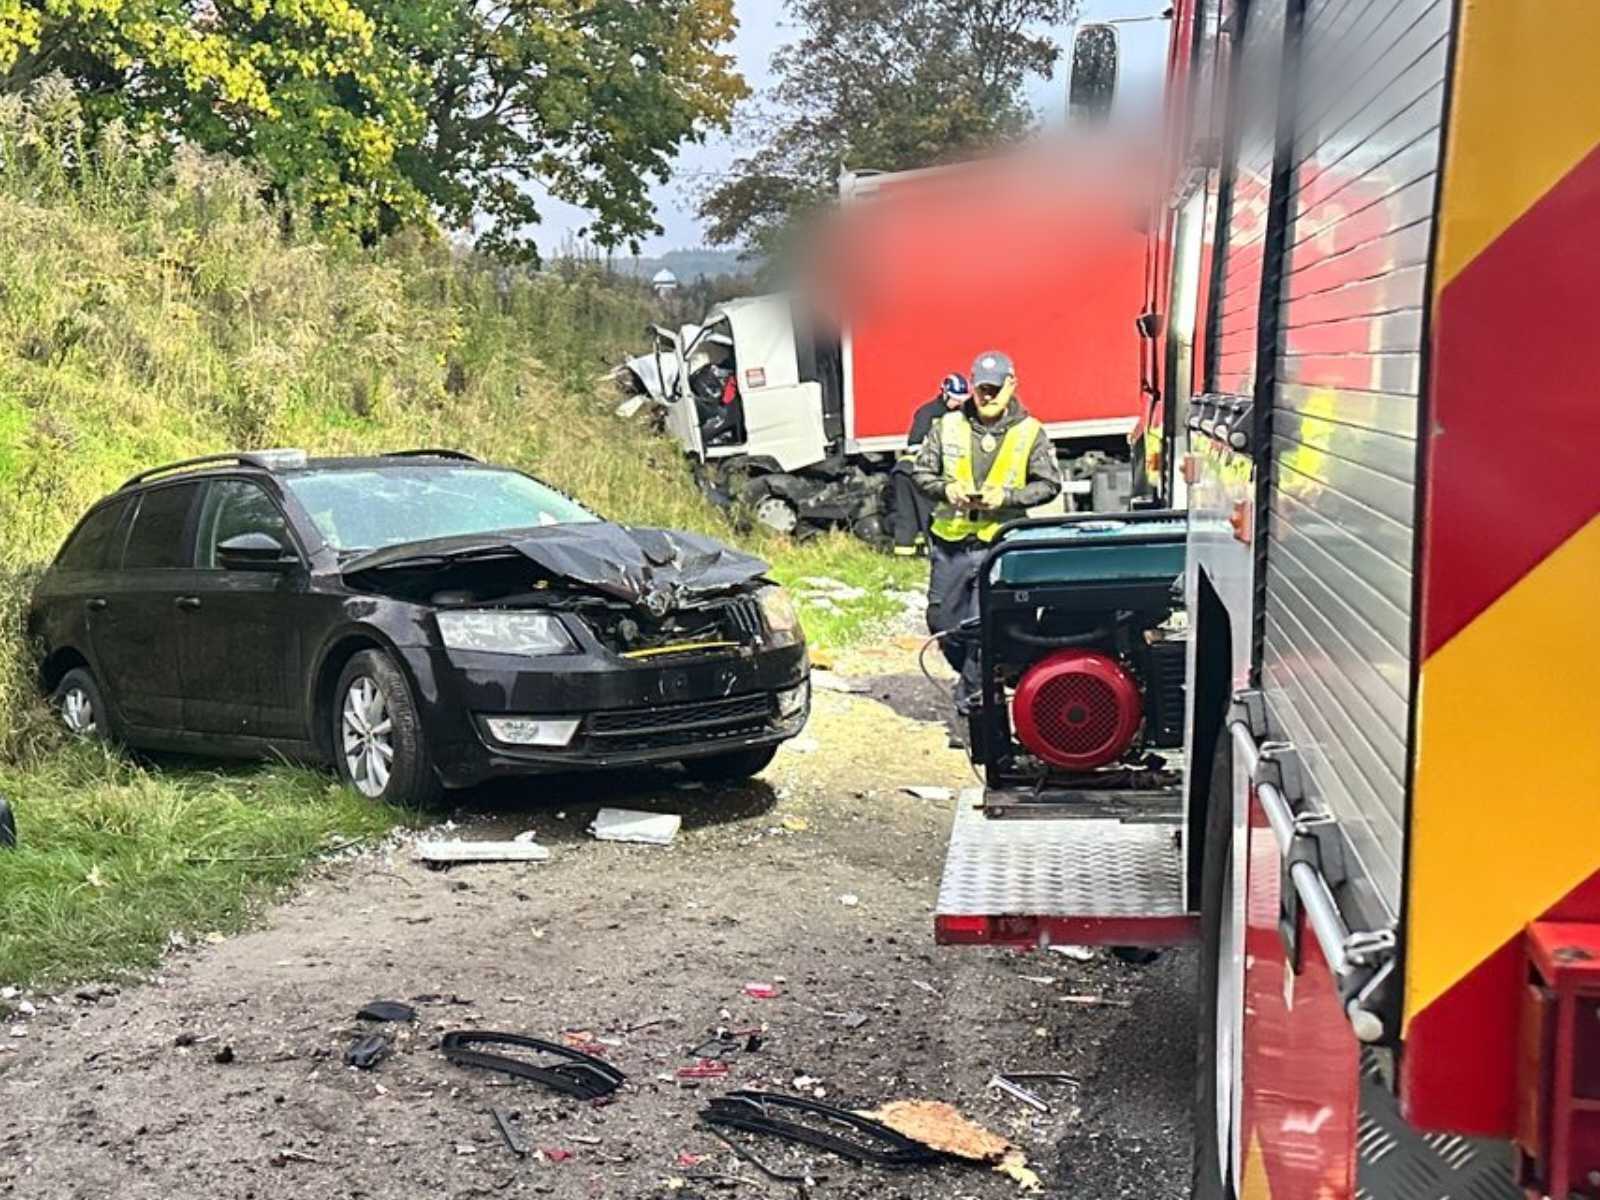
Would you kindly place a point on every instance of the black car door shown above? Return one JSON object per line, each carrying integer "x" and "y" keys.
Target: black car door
{"x": 133, "y": 617}
{"x": 239, "y": 638}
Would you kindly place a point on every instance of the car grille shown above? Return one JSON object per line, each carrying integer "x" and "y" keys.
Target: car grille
{"x": 744, "y": 618}
{"x": 680, "y": 724}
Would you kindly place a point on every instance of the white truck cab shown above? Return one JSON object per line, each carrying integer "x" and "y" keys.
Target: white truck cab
{"x": 752, "y": 341}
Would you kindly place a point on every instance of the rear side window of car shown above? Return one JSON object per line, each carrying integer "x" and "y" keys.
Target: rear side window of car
{"x": 233, "y": 507}
{"x": 159, "y": 538}
{"x": 87, "y": 549}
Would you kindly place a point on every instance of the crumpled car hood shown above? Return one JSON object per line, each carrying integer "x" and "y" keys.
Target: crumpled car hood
{"x": 631, "y": 564}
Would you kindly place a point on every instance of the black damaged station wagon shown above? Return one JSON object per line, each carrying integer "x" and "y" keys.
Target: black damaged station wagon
{"x": 420, "y": 620}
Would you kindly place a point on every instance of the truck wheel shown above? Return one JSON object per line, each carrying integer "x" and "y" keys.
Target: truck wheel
{"x": 1213, "y": 1104}
{"x": 777, "y": 514}
{"x": 379, "y": 745}
{"x": 730, "y": 768}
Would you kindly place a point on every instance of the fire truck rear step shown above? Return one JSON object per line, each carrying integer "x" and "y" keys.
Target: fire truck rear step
{"x": 1094, "y": 880}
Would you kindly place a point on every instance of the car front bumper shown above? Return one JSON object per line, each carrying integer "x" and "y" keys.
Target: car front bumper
{"x": 629, "y": 713}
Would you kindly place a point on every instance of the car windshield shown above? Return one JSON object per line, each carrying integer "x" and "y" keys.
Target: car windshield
{"x": 389, "y": 506}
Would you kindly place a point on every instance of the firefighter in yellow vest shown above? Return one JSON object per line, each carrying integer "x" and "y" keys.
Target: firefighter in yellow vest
{"x": 983, "y": 465}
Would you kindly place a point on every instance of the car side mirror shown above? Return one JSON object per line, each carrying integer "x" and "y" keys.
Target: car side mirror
{"x": 254, "y": 552}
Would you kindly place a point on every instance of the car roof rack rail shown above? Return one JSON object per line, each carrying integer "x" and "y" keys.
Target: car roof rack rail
{"x": 434, "y": 452}
{"x": 261, "y": 460}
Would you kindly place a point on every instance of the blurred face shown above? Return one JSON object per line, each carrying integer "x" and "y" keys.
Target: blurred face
{"x": 991, "y": 401}
{"x": 954, "y": 400}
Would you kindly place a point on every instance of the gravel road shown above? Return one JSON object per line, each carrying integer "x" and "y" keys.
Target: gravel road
{"x": 223, "y": 1076}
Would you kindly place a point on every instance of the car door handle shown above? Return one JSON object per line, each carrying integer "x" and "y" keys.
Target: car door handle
{"x": 99, "y": 604}
{"x": 188, "y": 603}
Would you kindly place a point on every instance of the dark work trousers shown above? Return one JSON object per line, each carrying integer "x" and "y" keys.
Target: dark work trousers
{"x": 952, "y": 599}
{"x": 910, "y": 509}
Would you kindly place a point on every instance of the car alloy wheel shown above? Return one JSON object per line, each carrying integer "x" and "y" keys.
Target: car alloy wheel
{"x": 77, "y": 711}
{"x": 367, "y": 730}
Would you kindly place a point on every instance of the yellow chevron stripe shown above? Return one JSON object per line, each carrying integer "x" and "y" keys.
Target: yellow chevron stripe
{"x": 1253, "y": 1181}
{"x": 1526, "y": 110}
{"x": 1505, "y": 816}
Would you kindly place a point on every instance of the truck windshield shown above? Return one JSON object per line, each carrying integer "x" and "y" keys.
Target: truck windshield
{"x": 389, "y": 506}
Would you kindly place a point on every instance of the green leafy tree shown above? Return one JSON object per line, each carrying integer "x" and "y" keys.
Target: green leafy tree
{"x": 883, "y": 84}
{"x": 377, "y": 114}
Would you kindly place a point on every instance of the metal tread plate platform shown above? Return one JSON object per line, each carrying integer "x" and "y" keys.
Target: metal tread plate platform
{"x": 1038, "y": 882}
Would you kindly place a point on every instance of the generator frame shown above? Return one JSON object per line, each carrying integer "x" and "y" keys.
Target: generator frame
{"x": 989, "y": 725}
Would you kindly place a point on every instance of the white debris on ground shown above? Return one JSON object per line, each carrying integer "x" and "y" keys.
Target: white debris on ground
{"x": 478, "y": 852}
{"x": 627, "y": 825}
{"x": 816, "y": 587}
{"x": 1076, "y": 953}
{"x": 930, "y": 793}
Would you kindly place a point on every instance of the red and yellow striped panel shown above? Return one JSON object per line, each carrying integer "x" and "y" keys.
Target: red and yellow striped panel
{"x": 1505, "y": 821}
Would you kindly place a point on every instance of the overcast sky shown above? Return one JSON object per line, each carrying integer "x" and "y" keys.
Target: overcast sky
{"x": 762, "y": 29}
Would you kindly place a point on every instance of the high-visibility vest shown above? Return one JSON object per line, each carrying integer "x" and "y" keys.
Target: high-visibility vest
{"x": 1008, "y": 470}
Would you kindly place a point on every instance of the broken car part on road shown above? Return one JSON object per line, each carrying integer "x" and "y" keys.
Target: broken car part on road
{"x": 368, "y": 1051}
{"x": 580, "y": 1075}
{"x": 1018, "y": 1092}
{"x": 766, "y": 1113}
{"x": 506, "y": 1123}
{"x": 776, "y": 1176}
{"x": 443, "y": 854}
{"x": 387, "y": 1010}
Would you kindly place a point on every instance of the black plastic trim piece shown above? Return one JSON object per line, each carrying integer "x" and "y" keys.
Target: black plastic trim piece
{"x": 883, "y": 1147}
{"x": 581, "y": 1075}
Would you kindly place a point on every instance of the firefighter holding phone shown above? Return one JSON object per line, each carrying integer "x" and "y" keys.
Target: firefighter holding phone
{"x": 982, "y": 465}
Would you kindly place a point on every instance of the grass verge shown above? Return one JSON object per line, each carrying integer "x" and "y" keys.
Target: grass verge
{"x": 115, "y": 858}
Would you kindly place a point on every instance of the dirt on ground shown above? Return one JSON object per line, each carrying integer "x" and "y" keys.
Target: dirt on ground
{"x": 224, "y": 1076}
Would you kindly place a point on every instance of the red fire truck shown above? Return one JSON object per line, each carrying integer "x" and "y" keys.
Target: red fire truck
{"x": 1354, "y": 755}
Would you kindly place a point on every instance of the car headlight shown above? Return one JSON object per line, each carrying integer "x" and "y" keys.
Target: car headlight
{"x": 503, "y": 632}
{"x": 777, "y": 607}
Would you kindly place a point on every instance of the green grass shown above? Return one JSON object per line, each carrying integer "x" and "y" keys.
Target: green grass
{"x": 115, "y": 858}
{"x": 150, "y": 313}
{"x": 851, "y": 562}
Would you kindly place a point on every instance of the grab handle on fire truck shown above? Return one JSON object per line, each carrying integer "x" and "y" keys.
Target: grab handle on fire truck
{"x": 1357, "y": 961}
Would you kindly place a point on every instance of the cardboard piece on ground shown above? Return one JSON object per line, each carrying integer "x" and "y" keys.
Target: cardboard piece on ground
{"x": 941, "y": 1127}
{"x": 469, "y": 852}
{"x": 628, "y": 825}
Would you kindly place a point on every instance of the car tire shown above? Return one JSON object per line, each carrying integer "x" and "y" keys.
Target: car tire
{"x": 729, "y": 768}
{"x": 81, "y": 705}
{"x": 1213, "y": 1174}
{"x": 8, "y": 826}
{"x": 378, "y": 744}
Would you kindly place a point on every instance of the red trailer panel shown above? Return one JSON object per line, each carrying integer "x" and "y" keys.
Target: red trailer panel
{"x": 932, "y": 268}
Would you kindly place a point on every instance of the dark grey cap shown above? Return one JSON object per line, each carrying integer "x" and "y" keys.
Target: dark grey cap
{"x": 990, "y": 369}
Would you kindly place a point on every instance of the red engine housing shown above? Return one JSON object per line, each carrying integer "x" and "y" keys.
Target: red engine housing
{"x": 1077, "y": 709}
